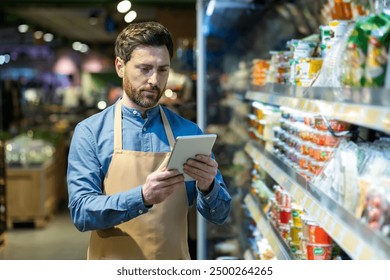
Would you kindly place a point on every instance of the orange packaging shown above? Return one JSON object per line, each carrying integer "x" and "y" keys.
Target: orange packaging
{"x": 316, "y": 167}
{"x": 303, "y": 161}
{"x": 317, "y": 235}
{"x": 323, "y": 153}
{"x": 325, "y": 138}
{"x": 336, "y": 125}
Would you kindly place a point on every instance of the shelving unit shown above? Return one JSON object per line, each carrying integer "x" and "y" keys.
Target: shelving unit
{"x": 366, "y": 108}
{"x": 363, "y": 107}
{"x": 280, "y": 248}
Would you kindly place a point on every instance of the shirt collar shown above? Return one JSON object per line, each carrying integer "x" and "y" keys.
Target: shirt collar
{"x": 131, "y": 112}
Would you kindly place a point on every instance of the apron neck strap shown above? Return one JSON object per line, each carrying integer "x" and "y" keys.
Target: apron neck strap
{"x": 118, "y": 127}
{"x": 167, "y": 127}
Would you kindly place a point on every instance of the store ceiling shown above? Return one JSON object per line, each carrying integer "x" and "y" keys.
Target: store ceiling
{"x": 71, "y": 19}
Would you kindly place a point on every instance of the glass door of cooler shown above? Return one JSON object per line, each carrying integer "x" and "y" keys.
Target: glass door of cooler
{"x": 231, "y": 35}
{"x": 269, "y": 64}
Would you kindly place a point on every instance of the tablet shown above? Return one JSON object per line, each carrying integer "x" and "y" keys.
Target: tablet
{"x": 187, "y": 147}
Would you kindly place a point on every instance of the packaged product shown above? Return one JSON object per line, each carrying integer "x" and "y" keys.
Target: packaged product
{"x": 377, "y": 26}
{"x": 333, "y": 53}
{"x": 377, "y": 56}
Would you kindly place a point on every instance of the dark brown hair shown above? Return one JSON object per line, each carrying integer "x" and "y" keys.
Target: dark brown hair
{"x": 142, "y": 34}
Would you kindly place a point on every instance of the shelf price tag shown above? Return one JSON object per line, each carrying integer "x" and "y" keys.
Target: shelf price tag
{"x": 366, "y": 253}
{"x": 350, "y": 243}
{"x": 386, "y": 123}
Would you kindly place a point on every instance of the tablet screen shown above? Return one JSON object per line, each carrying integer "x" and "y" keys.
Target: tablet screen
{"x": 188, "y": 147}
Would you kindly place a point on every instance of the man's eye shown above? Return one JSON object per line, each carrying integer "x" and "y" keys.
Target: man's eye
{"x": 145, "y": 69}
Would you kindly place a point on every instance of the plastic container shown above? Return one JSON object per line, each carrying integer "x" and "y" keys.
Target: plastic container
{"x": 316, "y": 167}
{"x": 325, "y": 138}
{"x": 319, "y": 252}
{"x": 323, "y": 153}
{"x": 285, "y": 215}
{"x": 303, "y": 161}
{"x": 305, "y": 148}
{"x": 337, "y": 126}
{"x": 296, "y": 214}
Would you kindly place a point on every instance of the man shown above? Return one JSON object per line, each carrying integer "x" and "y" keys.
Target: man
{"x": 118, "y": 184}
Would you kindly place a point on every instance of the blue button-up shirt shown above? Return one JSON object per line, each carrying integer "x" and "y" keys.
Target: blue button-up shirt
{"x": 90, "y": 155}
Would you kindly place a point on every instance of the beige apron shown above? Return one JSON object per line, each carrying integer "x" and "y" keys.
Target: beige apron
{"x": 159, "y": 234}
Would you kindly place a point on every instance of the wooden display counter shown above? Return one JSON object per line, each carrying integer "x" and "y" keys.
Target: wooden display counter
{"x": 32, "y": 194}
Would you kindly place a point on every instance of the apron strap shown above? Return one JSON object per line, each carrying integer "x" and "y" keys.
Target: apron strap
{"x": 118, "y": 126}
{"x": 167, "y": 127}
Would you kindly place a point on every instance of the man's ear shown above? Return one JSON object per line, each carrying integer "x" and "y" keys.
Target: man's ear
{"x": 119, "y": 67}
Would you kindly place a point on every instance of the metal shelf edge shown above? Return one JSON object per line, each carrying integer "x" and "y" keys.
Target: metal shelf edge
{"x": 339, "y": 223}
{"x": 266, "y": 229}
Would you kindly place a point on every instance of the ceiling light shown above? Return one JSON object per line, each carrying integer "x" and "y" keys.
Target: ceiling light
{"x": 76, "y": 46}
{"x": 7, "y": 58}
{"x": 38, "y": 35}
{"x": 210, "y": 8}
{"x": 23, "y": 28}
{"x": 84, "y": 48}
{"x": 130, "y": 16}
{"x": 123, "y": 6}
{"x": 48, "y": 37}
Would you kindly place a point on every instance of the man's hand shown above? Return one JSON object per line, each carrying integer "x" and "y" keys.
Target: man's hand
{"x": 161, "y": 184}
{"x": 203, "y": 169}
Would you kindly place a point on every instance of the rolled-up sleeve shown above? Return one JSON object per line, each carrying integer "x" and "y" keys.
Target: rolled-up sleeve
{"x": 215, "y": 206}
{"x": 90, "y": 208}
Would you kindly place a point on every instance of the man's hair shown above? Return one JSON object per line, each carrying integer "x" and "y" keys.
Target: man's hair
{"x": 142, "y": 34}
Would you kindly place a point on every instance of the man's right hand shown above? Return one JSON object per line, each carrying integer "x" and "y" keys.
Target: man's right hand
{"x": 161, "y": 184}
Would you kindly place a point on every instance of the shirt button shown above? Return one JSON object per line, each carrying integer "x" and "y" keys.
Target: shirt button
{"x": 134, "y": 112}
{"x": 140, "y": 211}
{"x": 212, "y": 210}
{"x": 207, "y": 198}
{"x": 144, "y": 128}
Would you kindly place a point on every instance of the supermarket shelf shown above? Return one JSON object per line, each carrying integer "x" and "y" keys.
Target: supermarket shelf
{"x": 279, "y": 247}
{"x": 361, "y": 106}
{"x": 239, "y": 128}
{"x": 356, "y": 238}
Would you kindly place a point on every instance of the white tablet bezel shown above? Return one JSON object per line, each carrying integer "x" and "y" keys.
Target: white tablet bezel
{"x": 187, "y": 147}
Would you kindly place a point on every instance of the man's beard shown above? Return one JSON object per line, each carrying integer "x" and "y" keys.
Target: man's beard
{"x": 136, "y": 96}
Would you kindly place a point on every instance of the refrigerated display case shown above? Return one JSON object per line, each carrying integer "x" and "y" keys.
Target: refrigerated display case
{"x": 228, "y": 94}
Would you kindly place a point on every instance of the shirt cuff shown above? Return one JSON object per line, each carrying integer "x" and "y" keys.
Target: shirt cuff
{"x": 212, "y": 194}
{"x": 136, "y": 203}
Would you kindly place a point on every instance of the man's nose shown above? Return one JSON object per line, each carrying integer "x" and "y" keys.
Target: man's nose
{"x": 153, "y": 78}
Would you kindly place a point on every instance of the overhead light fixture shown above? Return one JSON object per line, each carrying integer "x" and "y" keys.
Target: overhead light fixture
{"x": 210, "y": 8}
{"x": 23, "y": 28}
{"x": 123, "y": 6}
{"x": 81, "y": 47}
{"x": 130, "y": 16}
{"x": 38, "y": 34}
{"x": 48, "y": 37}
{"x": 77, "y": 45}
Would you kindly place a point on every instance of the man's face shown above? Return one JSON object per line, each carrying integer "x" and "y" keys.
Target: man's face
{"x": 144, "y": 76}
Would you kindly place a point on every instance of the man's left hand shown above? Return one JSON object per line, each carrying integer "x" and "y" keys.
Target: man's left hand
{"x": 203, "y": 169}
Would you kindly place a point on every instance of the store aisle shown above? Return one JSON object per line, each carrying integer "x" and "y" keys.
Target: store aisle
{"x": 58, "y": 240}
